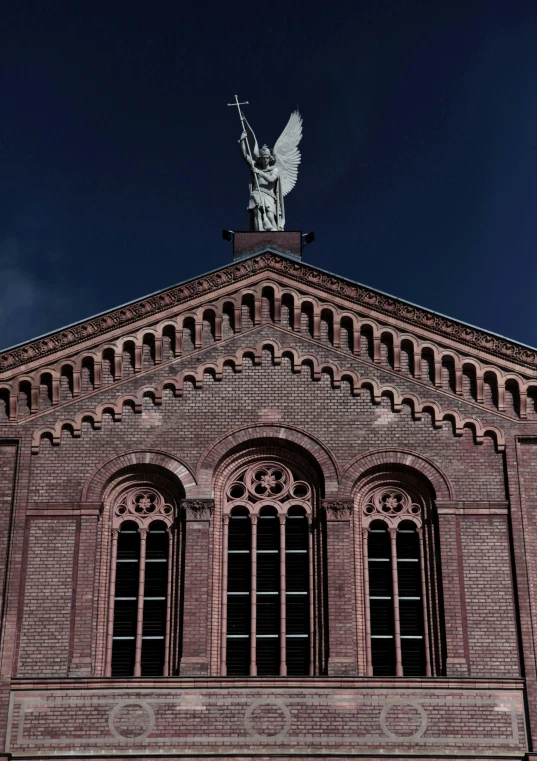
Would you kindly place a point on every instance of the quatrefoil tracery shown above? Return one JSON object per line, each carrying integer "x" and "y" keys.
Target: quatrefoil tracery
{"x": 142, "y": 505}
{"x": 267, "y": 483}
{"x": 391, "y": 505}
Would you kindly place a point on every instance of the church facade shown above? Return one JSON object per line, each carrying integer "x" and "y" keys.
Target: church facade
{"x": 268, "y": 512}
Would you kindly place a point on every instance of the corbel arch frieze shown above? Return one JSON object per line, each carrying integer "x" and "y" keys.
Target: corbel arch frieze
{"x": 353, "y": 485}
{"x": 363, "y": 323}
{"x": 317, "y": 369}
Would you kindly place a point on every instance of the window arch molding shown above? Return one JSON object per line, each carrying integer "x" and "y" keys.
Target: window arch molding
{"x": 407, "y": 463}
{"x": 396, "y": 510}
{"x": 268, "y": 485}
{"x": 140, "y": 544}
{"x": 105, "y": 478}
{"x": 286, "y": 441}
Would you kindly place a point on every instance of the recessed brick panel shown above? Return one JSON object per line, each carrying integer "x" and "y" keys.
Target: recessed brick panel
{"x": 48, "y": 596}
{"x": 491, "y": 623}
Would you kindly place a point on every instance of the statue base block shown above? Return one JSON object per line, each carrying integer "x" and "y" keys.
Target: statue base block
{"x": 249, "y": 243}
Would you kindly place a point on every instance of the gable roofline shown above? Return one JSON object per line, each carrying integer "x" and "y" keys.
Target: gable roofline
{"x": 44, "y": 344}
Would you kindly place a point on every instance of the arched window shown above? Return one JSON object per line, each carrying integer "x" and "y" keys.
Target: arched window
{"x": 394, "y": 551}
{"x": 139, "y": 607}
{"x": 268, "y": 609}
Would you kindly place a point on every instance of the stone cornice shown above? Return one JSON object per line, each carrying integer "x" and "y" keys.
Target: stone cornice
{"x": 304, "y": 275}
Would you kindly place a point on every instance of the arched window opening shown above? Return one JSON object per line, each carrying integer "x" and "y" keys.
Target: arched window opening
{"x": 139, "y": 617}
{"x": 268, "y": 613}
{"x": 395, "y": 585}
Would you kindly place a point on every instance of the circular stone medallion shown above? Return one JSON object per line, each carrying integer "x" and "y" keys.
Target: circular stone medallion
{"x": 131, "y": 720}
{"x": 403, "y": 720}
{"x": 267, "y": 719}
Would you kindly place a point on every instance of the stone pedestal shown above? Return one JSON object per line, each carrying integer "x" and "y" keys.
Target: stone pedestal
{"x": 248, "y": 243}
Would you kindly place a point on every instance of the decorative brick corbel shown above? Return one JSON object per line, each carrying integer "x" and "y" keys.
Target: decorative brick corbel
{"x": 337, "y": 510}
{"x": 198, "y": 509}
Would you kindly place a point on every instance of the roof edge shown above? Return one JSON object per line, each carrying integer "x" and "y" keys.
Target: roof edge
{"x": 513, "y": 350}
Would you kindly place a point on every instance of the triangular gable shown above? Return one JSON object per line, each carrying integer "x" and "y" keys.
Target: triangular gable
{"x": 304, "y": 276}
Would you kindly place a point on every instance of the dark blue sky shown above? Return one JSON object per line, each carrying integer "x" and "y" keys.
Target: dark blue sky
{"x": 120, "y": 164}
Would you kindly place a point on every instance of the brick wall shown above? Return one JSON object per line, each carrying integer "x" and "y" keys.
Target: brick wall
{"x": 8, "y": 461}
{"x": 491, "y": 622}
{"x": 62, "y": 625}
{"x": 219, "y": 719}
{"x": 48, "y": 596}
{"x": 187, "y": 426}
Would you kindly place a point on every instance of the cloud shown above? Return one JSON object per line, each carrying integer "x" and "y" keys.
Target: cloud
{"x": 29, "y": 306}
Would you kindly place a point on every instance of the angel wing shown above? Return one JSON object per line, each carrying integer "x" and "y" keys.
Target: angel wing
{"x": 287, "y": 154}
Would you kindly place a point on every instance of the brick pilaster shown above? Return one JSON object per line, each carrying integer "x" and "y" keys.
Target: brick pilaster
{"x": 197, "y": 515}
{"x": 457, "y": 658}
{"x": 342, "y": 652}
{"x": 84, "y": 579}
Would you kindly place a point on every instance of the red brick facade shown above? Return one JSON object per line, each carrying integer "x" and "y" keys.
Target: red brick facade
{"x": 268, "y": 360}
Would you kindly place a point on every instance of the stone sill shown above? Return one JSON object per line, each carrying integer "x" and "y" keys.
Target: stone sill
{"x": 220, "y": 682}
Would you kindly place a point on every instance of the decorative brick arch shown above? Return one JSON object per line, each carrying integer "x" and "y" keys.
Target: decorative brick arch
{"x": 399, "y": 457}
{"x": 245, "y": 435}
{"x": 96, "y": 484}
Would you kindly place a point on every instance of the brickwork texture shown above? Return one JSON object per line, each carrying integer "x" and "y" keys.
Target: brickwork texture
{"x": 348, "y": 396}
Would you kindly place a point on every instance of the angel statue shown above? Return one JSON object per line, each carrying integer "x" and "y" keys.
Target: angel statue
{"x": 272, "y": 174}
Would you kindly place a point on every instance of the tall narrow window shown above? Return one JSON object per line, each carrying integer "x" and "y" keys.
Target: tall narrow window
{"x": 395, "y": 585}
{"x": 238, "y": 591}
{"x": 267, "y": 618}
{"x": 139, "y": 612}
{"x": 379, "y": 560}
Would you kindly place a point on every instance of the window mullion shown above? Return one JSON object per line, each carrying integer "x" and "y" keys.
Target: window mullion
{"x": 283, "y": 600}
{"x": 111, "y": 603}
{"x": 424, "y": 601}
{"x": 140, "y": 611}
{"x": 253, "y": 598}
{"x": 395, "y": 592}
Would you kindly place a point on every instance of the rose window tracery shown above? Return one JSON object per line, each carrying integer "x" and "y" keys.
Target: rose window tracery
{"x": 142, "y": 505}
{"x": 392, "y": 505}
{"x": 267, "y": 482}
